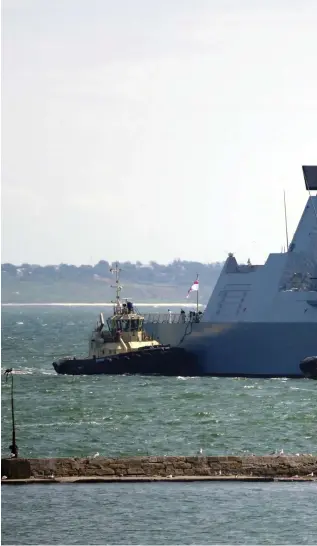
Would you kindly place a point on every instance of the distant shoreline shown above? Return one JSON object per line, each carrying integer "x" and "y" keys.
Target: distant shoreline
{"x": 193, "y": 304}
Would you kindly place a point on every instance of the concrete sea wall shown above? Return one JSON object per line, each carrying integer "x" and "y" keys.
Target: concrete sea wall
{"x": 164, "y": 467}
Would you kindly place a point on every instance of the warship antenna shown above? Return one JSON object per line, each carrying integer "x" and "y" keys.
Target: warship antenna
{"x": 286, "y": 227}
{"x": 13, "y": 447}
{"x": 116, "y": 270}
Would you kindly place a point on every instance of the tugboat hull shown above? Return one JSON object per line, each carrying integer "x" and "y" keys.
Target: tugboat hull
{"x": 309, "y": 367}
{"x": 161, "y": 360}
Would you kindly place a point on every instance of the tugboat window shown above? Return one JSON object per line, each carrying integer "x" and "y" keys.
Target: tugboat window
{"x": 119, "y": 325}
{"x": 126, "y": 325}
{"x": 134, "y": 324}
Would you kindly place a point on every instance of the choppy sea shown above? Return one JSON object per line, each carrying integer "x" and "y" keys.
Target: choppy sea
{"x": 135, "y": 415}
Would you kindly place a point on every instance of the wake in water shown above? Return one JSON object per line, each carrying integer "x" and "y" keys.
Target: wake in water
{"x": 185, "y": 378}
{"x": 29, "y": 371}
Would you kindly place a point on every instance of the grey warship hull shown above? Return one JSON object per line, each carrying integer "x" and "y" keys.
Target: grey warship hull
{"x": 261, "y": 320}
{"x": 242, "y": 349}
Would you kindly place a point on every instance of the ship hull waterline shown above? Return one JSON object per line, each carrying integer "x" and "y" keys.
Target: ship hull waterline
{"x": 265, "y": 350}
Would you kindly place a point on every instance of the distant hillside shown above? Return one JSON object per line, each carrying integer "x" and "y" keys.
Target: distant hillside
{"x": 64, "y": 283}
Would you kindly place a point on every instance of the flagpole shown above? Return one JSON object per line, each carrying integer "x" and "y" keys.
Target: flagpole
{"x": 197, "y": 295}
{"x": 195, "y": 288}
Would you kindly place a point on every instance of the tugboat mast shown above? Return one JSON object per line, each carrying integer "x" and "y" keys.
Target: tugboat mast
{"x": 117, "y": 286}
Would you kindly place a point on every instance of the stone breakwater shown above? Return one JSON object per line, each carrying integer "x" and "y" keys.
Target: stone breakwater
{"x": 161, "y": 467}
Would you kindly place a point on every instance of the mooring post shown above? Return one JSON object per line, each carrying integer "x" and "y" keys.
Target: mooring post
{"x": 13, "y": 447}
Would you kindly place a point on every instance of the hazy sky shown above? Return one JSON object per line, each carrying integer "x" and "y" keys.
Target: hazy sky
{"x": 155, "y": 129}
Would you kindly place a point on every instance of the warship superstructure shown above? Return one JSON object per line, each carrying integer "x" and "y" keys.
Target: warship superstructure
{"x": 261, "y": 320}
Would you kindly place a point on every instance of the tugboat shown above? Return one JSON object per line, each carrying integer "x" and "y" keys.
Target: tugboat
{"x": 308, "y": 367}
{"x": 121, "y": 346}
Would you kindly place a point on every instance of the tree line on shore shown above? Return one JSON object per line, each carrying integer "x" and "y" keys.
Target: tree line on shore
{"x": 86, "y": 283}
{"x": 174, "y": 272}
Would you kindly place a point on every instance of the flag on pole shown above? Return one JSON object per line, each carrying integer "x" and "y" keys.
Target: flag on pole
{"x": 194, "y": 287}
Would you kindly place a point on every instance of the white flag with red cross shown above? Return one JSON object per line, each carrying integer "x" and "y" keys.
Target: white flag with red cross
{"x": 194, "y": 287}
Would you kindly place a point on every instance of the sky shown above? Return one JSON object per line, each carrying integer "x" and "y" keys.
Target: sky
{"x": 154, "y": 130}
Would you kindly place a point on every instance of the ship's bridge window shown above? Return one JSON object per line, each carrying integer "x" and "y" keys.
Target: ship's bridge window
{"x": 135, "y": 323}
{"x": 111, "y": 324}
{"x": 126, "y": 325}
{"x": 119, "y": 325}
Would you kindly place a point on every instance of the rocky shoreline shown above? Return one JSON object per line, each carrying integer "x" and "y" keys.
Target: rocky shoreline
{"x": 131, "y": 469}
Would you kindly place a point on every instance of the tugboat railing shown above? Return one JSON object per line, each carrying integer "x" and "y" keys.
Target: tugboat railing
{"x": 171, "y": 318}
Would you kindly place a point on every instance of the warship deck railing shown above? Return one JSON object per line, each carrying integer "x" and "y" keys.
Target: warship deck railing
{"x": 171, "y": 318}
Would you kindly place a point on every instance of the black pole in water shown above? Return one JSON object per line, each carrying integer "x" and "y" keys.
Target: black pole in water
{"x": 13, "y": 447}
